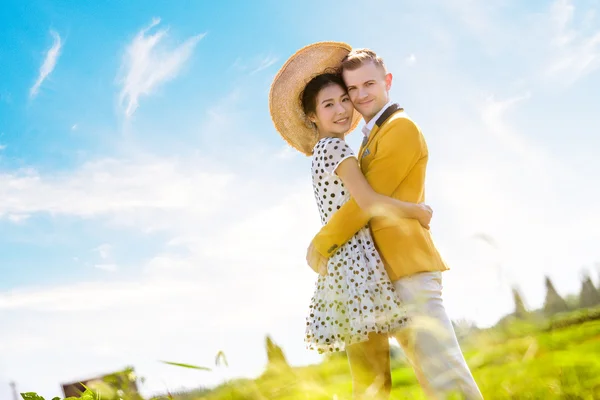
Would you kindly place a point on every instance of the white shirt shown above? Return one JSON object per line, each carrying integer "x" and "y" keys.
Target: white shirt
{"x": 366, "y": 130}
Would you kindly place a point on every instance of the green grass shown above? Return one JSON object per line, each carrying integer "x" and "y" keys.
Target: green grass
{"x": 518, "y": 360}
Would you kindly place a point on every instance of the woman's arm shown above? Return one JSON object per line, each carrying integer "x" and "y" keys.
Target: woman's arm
{"x": 376, "y": 204}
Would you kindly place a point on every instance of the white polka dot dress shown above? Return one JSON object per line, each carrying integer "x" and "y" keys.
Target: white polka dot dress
{"x": 356, "y": 297}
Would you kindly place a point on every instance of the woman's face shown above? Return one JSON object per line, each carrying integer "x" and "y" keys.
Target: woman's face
{"x": 333, "y": 114}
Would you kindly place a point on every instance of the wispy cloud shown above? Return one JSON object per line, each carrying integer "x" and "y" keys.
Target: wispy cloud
{"x": 18, "y": 218}
{"x": 256, "y": 64}
{"x": 125, "y": 190}
{"x": 506, "y": 178}
{"x": 147, "y": 64}
{"x": 561, "y": 14}
{"x": 562, "y": 43}
{"x": 493, "y": 116}
{"x": 2, "y": 147}
{"x": 411, "y": 59}
{"x": 104, "y": 251}
{"x": 576, "y": 52}
{"x": 48, "y": 65}
{"x": 480, "y": 19}
{"x": 265, "y": 63}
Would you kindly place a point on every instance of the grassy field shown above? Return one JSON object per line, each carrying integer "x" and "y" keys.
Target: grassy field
{"x": 532, "y": 359}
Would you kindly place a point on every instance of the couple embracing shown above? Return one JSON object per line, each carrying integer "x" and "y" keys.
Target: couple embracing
{"x": 380, "y": 275}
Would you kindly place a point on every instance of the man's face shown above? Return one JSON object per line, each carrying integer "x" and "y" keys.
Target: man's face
{"x": 368, "y": 88}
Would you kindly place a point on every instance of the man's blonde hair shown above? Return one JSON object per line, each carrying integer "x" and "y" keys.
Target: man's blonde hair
{"x": 358, "y": 57}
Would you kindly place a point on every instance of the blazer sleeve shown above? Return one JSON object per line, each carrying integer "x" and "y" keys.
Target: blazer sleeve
{"x": 400, "y": 146}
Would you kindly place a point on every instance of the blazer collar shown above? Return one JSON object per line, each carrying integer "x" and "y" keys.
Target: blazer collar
{"x": 393, "y": 108}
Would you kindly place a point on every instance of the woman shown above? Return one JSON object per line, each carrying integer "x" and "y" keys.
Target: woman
{"x": 313, "y": 113}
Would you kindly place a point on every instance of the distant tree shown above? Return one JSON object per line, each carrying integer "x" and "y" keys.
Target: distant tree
{"x": 554, "y": 303}
{"x": 589, "y": 295}
{"x": 520, "y": 309}
{"x": 572, "y": 301}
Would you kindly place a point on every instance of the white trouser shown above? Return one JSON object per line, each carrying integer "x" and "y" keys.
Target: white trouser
{"x": 430, "y": 341}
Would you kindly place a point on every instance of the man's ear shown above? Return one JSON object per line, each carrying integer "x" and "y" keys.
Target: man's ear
{"x": 388, "y": 81}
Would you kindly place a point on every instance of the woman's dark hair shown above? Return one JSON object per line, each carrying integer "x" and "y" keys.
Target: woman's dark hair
{"x": 308, "y": 97}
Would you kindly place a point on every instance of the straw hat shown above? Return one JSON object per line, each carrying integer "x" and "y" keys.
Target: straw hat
{"x": 284, "y": 98}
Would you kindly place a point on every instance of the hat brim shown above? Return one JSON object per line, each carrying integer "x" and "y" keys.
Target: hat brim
{"x": 284, "y": 97}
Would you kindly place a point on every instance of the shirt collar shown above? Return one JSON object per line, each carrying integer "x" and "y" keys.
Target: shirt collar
{"x": 367, "y": 128}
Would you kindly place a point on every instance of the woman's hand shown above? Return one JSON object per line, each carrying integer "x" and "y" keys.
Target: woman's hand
{"x": 423, "y": 213}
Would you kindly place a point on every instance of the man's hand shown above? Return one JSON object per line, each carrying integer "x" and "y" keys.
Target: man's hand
{"x": 316, "y": 261}
{"x": 423, "y": 214}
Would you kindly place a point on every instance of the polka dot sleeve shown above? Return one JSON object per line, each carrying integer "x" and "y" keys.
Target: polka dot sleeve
{"x": 336, "y": 151}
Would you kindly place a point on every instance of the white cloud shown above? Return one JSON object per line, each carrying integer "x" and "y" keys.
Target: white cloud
{"x": 145, "y": 192}
{"x": 107, "y": 267}
{"x": 286, "y": 152}
{"x": 2, "y": 147}
{"x": 48, "y": 65}
{"x": 411, "y": 59}
{"x": 104, "y": 251}
{"x": 147, "y": 64}
{"x": 207, "y": 294}
{"x": 576, "y": 47}
{"x": 18, "y": 218}
{"x": 489, "y": 179}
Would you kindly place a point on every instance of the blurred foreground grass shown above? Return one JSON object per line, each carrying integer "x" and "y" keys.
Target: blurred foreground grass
{"x": 516, "y": 359}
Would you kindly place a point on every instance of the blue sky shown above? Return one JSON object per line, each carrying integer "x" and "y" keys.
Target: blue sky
{"x": 149, "y": 210}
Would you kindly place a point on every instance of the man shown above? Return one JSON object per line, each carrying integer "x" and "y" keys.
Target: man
{"x": 393, "y": 157}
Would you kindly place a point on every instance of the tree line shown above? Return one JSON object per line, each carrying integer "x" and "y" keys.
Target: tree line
{"x": 589, "y": 296}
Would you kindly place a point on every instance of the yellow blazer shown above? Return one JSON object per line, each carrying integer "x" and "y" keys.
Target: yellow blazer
{"x": 393, "y": 160}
